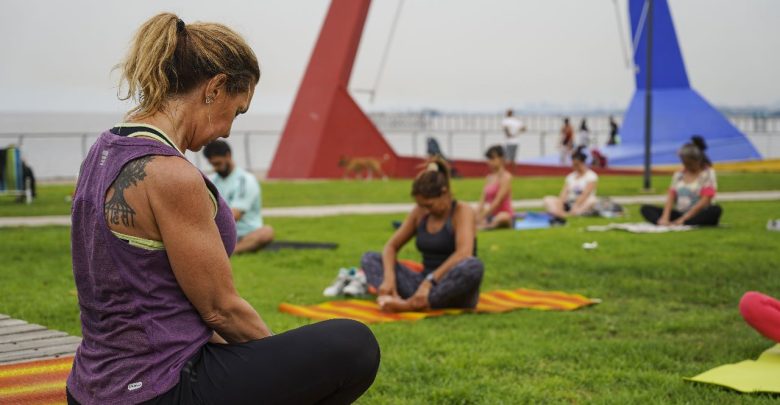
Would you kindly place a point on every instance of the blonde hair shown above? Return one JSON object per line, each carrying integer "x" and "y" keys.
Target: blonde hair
{"x": 168, "y": 58}
{"x": 433, "y": 180}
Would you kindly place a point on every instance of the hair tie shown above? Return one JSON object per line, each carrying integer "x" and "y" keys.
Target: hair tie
{"x": 180, "y": 26}
{"x": 433, "y": 167}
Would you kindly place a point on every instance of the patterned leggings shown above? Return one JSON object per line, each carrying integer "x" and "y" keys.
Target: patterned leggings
{"x": 459, "y": 288}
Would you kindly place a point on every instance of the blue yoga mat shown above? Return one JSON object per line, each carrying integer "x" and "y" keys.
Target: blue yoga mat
{"x": 533, "y": 220}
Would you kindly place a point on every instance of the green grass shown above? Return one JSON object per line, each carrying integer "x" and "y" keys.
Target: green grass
{"x": 52, "y": 200}
{"x": 669, "y": 309}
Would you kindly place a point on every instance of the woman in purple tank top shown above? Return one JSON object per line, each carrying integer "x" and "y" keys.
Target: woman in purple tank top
{"x": 161, "y": 318}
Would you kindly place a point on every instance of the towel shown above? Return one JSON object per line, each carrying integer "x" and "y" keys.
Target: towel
{"x": 639, "y": 227}
{"x": 497, "y": 301}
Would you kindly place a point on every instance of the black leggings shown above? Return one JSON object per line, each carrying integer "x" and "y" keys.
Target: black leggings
{"x": 330, "y": 362}
{"x": 707, "y": 216}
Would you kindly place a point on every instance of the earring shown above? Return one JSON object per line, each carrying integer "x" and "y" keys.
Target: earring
{"x": 209, "y": 100}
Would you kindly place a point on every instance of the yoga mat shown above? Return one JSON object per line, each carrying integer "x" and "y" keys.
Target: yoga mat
{"x": 762, "y": 375}
{"x": 36, "y": 382}
{"x": 639, "y": 227}
{"x": 532, "y": 220}
{"x": 285, "y": 244}
{"x": 492, "y": 302}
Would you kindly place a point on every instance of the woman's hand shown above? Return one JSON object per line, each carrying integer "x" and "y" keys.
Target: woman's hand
{"x": 664, "y": 221}
{"x": 387, "y": 288}
{"x": 420, "y": 298}
{"x": 678, "y": 221}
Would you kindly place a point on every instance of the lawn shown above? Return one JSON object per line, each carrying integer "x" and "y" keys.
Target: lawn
{"x": 669, "y": 306}
{"x": 52, "y": 198}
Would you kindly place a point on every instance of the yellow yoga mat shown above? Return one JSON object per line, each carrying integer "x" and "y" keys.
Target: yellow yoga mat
{"x": 762, "y": 375}
{"x": 497, "y": 301}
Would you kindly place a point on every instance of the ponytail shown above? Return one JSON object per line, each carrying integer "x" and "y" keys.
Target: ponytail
{"x": 148, "y": 65}
{"x": 698, "y": 141}
{"x": 168, "y": 58}
{"x": 433, "y": 180}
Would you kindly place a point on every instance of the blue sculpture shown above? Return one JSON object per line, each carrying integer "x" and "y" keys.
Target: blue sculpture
{"x": 678, "y": 110}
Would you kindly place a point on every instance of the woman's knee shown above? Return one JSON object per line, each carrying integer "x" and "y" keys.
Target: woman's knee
{"x": 751, "y": 306}
{"x": 356, "y": 343}
{"x": 370, "y": 259}
{"x": 649, "y": 213}
{"x": 471, "y": 266}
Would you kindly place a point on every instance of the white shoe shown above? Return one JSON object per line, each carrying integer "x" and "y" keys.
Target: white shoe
{"x": 358, "y": 285}
{"x": 338, "y": 285}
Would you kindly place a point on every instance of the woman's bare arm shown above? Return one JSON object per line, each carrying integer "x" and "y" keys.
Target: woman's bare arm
{"x": 667, "y": 212}
{"x": 405, "y": 232}
{"x": 589, "y": 188}
{"x": 184, "y": 216}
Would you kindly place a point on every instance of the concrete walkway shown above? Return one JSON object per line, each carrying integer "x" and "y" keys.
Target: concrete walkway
{"x": 398, "y": 208}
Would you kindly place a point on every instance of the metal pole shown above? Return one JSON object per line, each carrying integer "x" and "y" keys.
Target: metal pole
{"x": 648, "y": 95}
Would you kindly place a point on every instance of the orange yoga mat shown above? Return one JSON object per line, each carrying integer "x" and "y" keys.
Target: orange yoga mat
{"x": 497, "y": 301}
{"x": 36, "y": 382}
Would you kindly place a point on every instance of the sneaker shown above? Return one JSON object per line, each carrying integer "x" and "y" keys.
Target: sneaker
{"x": 773, "y": 225}
{"x": 358, "y": 285}
{"x": 557, "y": 221}
{"x": 338, "y": 285}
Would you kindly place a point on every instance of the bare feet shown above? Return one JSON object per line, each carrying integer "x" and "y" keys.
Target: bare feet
{"x": 390, "y": 303}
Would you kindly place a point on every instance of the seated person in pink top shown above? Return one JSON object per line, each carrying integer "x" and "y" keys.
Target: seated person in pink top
{"x": 495, "y": 205}
{"x": 578, "y": 195}
{"x": 762, "y": 312}
{"x": 691, "y": 195}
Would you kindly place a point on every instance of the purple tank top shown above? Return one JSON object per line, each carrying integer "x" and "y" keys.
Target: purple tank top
{"x": 139, "y": 328}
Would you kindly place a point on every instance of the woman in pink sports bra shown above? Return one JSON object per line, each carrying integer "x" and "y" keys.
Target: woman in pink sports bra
{"x": 495, "y": 205}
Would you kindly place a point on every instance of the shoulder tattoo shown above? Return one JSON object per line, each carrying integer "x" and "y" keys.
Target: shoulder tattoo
{"x": 117, "y": 210}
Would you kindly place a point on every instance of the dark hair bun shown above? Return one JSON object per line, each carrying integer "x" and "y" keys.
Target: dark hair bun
{"x": 698, "y": 140}
{"x": 579, "y": 154}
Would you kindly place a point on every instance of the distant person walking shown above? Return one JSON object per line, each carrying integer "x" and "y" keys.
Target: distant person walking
{"x": 614, "y": 138}
{"x": 583, "y": 136}
{"x": 512, "y": 128}
{"x": 566, "y": 141}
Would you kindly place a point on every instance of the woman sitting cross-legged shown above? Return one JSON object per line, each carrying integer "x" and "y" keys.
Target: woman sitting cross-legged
{"x": 161, "y": 318}
{"x": 690, "y": 199}
{"x": 445, "y": 231}
{"x": 495, "y": 207}
{"x": 578, "y": 195}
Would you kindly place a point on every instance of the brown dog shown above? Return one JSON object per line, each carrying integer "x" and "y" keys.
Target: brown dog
{"x": 366, "y": 166}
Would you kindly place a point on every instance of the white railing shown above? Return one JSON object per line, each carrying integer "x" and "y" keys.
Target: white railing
{"x": 466, "y": 136}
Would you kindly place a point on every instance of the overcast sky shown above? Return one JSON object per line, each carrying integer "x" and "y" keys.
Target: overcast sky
{"x": 459, "y": 55}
